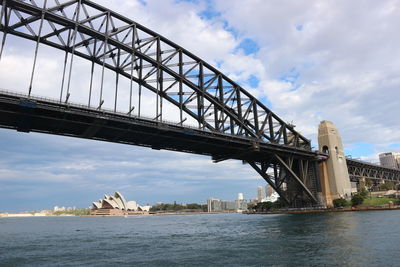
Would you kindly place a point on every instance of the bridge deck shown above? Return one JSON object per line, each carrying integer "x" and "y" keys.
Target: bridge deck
{"x": 46, "y": 116}
{"x": 361, "y": 169}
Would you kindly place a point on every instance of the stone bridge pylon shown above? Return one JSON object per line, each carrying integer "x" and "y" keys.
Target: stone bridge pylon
{"x": 335, "y": 179}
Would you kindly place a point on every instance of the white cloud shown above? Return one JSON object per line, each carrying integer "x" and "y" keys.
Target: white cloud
{"x": 343, "y": 54}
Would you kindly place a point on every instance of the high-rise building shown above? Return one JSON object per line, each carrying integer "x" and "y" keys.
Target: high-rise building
{"x": 241, "y": 203}
{"x": 390, "y": 160}
{"x": 268, "y": 190}
{"x": 259, "y": 193}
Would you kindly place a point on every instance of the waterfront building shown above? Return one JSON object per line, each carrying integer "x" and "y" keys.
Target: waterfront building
{"x": 390, "y": 160}
{"x": 57, "y": 208}
{"x": 228, "y": 205}
{"x": 218, "y": 205}
{"x": 241, "y": 203}
{"x": 274, "y": 196}
{"x": 117, "y": 205}
{"x": 214, "y": 204}
{"x": 270, "y": 195}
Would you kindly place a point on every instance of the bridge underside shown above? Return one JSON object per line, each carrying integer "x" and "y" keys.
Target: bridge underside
{"x": 291, "y": 172}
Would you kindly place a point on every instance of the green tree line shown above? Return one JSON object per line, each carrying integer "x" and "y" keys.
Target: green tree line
{"x": 269, "y": 206}
{"x": 179, "y": 207}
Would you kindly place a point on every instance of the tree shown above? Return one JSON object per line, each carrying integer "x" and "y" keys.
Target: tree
{"x": 204, "y": 207}
{"x": 251, "y": 206}
{"x": 279, "y": 204}
{"x": 368, "y": 182}
{"x": 364, "y": 193}
{"x": 264, "y": 206}
{"x": 356, "y": 200}
{"x": 268, "y": 205}
{"x": 339, "y": 202}
{"x": 388, "y": 185}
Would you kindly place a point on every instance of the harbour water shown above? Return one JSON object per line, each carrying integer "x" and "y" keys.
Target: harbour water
{"x": 326, "y": 239}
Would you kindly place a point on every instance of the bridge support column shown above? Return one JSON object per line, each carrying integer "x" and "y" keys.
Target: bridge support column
{"x": 330, "y": 143}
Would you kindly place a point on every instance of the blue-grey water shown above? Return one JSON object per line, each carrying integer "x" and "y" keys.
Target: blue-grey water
{"x": 328, "y": 239}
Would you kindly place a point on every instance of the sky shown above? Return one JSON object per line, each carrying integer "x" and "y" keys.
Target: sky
{"x": 306, "y": 60}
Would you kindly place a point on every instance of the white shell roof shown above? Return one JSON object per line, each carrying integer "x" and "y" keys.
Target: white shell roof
{"x": 118, "y": 202}
{"x": 121, "y": 197}
{"x": 132, "y": 205}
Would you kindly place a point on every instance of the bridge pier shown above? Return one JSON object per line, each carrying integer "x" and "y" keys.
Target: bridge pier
{"x": 325, "y": 187}
{"x": 335, "y": 176}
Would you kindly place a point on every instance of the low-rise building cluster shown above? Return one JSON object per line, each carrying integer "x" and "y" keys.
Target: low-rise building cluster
{"x": 57, "y": 208}
{"x": 218, "y": 205}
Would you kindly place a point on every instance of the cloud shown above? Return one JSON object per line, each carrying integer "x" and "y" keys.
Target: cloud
{"x": 342, "y": 54}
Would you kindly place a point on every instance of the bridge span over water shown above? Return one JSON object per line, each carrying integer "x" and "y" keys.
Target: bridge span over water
{"x": 211, "y": 114}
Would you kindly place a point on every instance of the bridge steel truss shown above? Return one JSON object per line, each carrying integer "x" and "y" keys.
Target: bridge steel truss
{"x": 360, "y": 169}
{"x": 87, "y": 30}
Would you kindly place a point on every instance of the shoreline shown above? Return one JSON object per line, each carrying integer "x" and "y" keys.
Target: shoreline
{"x": 352, "y": 209}
{"x": 159, "y": 214}
{"x": 30, "y": 215}
{"x": 305, "y": 211}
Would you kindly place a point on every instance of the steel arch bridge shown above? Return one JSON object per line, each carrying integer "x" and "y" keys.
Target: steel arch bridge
{"x": 230, "y": 122}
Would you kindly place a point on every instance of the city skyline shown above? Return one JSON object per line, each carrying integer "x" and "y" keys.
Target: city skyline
{"x": 294, "y": 62}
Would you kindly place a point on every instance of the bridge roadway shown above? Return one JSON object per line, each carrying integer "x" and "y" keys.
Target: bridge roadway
{"x": 33, "y": 114}
{"x": 360, "y": 169}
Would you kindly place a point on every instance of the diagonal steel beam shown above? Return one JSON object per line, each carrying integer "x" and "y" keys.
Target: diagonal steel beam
{"x": 303, "y": 186}
{"x": 269, "y": 181}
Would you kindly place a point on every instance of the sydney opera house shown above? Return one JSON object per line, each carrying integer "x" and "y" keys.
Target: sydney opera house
{"x": 117, "y": 206}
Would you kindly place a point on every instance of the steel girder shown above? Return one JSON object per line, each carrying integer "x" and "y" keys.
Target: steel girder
{"x": 359, "y": 169}
{"x": 85, "y": 29}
